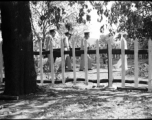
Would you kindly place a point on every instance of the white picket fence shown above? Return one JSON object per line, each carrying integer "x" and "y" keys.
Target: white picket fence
{"x": 97, "y": 62}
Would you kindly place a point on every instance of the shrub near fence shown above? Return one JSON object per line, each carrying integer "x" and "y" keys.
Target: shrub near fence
{"x": 77, "y": 52}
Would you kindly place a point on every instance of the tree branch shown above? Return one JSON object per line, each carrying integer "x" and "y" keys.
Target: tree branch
{"x": 35, "y": 10}
{"x": 32, "y": 26}
{"x": 68, "y": 16}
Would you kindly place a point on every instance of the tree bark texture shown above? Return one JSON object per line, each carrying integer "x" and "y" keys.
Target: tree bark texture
{"x": 20, "y": 74}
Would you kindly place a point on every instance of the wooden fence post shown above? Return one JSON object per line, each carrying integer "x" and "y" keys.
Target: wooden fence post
{"x": 1, "y": 63}
{"x": 110, "y": 76}
{"x": 74, "y": 62}
{"x": 86, "y": 62}
{"x": 52, "y": 63}
{"x": 98, "y": 63}
{"x": 150, "y": 65}
{"x": 123, "y": 62}
{"x": 136, "y": 62}
{"x": 41, "y": 62}
{"x": 63, "y": 62}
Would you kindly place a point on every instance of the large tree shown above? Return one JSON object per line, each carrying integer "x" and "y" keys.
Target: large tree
{"x": 20, "y": 75}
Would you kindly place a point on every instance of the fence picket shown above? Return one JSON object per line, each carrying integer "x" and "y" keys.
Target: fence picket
{"x": 150, "y": 64}
{"x": 98, "y": 63}
{"x": 1, "y": 64}
{"x": 63, "y": 62}
{"x": 86, "y": 62}
{"x": 41, "y": 62}
{"x": 52, "y": 63}
{"x": 136, "y": 62}
{"x": 74, "y": 62}
{"x": 110, "y": 62}
{"x": 123, "y": 62}
{"x": 110, "y": 56}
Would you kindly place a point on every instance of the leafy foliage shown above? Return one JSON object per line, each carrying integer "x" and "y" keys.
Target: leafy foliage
{"x": 143, "y": 70}
{"x": 69, "y": 26}
{"x": 133, "y": 17}
{"x": 46, "y": 13}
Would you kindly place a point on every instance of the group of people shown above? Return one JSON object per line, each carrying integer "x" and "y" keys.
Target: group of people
{"x": 67, "y": 45}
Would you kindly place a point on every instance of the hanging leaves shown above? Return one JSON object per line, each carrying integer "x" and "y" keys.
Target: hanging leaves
{"x": 135, "y": 18}
{"x": 88, "y": 17}
{"x": 69, "y": 26}
{"x": 102, "y": 28}
{"x": 34, "y": 2}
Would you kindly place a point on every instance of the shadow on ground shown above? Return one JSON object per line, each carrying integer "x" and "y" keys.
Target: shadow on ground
{"x": 71, "y": 102}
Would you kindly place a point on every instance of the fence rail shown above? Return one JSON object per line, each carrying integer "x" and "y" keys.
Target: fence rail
{"x": 110, "y": 52}
{"x": 78, "y": 52}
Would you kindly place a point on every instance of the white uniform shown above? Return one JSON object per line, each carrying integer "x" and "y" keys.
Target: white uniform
{"x": 82, "y": 61}
{"x": 49, "y": 39}
{"x": 67, "y": 57}
{"x": 119, "y": 63}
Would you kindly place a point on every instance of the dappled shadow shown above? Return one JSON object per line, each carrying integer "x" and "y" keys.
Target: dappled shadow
{"x": 69, "y": 102}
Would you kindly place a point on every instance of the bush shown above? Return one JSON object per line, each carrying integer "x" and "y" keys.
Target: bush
{"x": 143, "y": 70}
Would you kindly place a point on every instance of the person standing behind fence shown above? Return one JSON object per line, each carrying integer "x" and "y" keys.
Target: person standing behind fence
{"x": 119, "y": 63}
{"x": 67, "y": 46}
{"x": 50, "y": 38}
{"x": 82, "y": 61}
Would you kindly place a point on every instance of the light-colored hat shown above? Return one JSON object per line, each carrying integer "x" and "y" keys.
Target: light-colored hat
{"x": 86, "y": 31}
{"x": 52, "y": 28}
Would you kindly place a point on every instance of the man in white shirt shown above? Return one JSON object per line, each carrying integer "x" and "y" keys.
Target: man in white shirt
{"x": 50, "y": 38}
{"x": 67, "y": 46}
{"x": 119, "y": 63}
{"x": 82, "y": 64}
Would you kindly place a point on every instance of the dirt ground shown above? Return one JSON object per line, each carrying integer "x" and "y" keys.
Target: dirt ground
{"x": 74, "y": 102}
{"x": 81, "y": 101}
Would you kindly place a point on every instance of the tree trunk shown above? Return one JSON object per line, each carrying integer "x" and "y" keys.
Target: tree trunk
{"x": 20, "y": 75}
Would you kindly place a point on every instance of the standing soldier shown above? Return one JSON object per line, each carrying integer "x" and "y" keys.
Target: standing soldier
{"x": 119, "y": 63}
{"x": 86, "y": 38}
{"x": 67, "y": 46}
{"x": 50, "y": 38}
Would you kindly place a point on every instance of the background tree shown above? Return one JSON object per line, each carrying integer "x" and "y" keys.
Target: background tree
{"x": 47, "y": 13}
{"x": 69, "y": 13}
{"x": 20, "y": 75}
{"x": 134, "y": 17}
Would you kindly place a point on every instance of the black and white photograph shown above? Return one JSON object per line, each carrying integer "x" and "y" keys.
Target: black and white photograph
{"x": 75, "y": 60}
